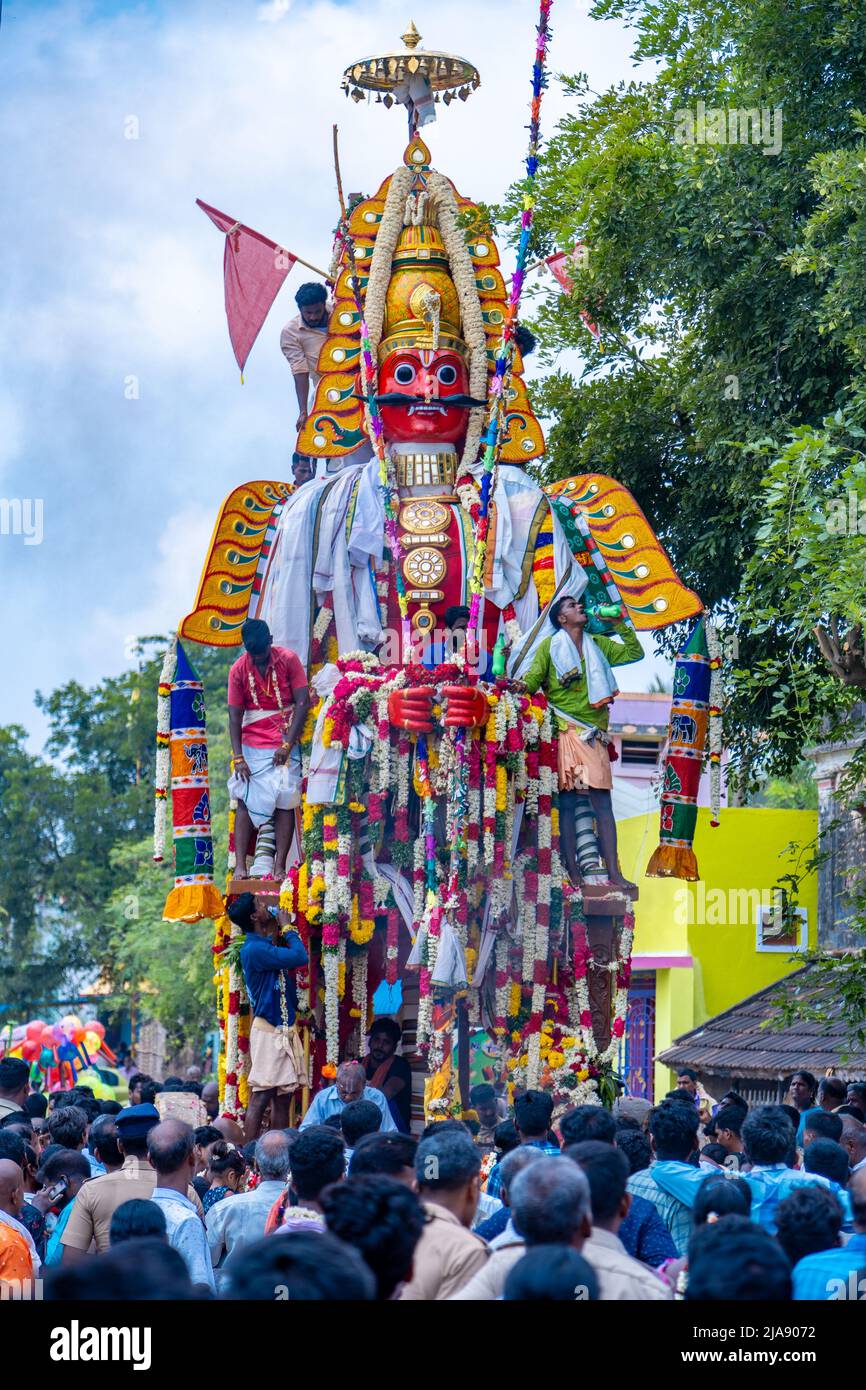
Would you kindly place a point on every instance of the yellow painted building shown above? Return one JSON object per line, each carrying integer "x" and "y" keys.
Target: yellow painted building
{"x": 702, "y": 947}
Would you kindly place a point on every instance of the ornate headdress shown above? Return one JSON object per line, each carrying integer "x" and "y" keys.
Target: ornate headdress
{"x": 421, "y": 274}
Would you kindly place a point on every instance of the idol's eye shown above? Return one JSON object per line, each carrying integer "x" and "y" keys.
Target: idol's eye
{"x": 404, "y": 375}
{"x": 447, "y": 374}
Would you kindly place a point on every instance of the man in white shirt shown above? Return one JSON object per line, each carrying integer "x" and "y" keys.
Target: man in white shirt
{"x": 170, "y": 1150}
{"x": 14, "y": 1085}
{"x": 619, "y": 1276}
{"x": 854, "y": 1141}
{"x": 240, "y": 1220}
{"x": 302, "y": 340}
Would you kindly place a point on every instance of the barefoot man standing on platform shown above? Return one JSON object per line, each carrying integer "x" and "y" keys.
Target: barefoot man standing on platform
{"x": 268, "y": 703}
{"x": 574, "y": 671}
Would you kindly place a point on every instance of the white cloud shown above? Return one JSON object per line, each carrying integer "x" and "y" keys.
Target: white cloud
{"x": 274, "y": 11}
{"x": 112, "y": 271}
{"x": 11, "y": 432}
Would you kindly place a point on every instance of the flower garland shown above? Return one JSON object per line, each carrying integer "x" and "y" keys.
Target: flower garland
{"x": 359, "y": 990}
{"x": 387, "y": 235}
{"x": 430, "y": 932}
{"x": 331, "y": 972}
{"x": 463, "y": 275}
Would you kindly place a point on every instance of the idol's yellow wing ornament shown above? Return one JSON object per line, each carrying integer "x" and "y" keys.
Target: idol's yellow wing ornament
{"x": 611, "y": 536}
{"x": 238, "y": 554}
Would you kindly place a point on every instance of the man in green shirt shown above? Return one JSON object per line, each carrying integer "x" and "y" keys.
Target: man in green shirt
{"x": 574, "y": 671}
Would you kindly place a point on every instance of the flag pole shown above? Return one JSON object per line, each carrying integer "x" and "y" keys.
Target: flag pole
{"x": 300, "y": 260}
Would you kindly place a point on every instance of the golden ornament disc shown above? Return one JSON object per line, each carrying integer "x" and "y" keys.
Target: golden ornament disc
{"x": 424, "y": 567}
{"x": 424, "y": 516}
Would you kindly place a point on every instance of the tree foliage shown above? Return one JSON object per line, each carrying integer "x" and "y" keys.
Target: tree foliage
{"x": 728, "y": 282}
{"x": 80, "y": 897}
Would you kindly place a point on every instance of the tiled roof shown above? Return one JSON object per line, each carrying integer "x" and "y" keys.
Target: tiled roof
{"x": 736, "y": 1043}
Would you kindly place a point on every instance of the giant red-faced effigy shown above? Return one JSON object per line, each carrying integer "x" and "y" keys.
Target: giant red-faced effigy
{"x": 427, "y": 868}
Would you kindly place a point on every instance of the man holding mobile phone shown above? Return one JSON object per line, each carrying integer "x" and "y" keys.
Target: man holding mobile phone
{"x": 62, "y": 1175}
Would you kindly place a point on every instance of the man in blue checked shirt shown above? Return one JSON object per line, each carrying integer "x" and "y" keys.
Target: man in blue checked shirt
{"x": 533, "y": 1112}
{"x": 839, "y": 1273}
{"x": 671, "y": 1182}
{"x": 769, "y": 1140}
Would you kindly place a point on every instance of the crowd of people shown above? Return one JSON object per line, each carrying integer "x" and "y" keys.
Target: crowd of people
{"x": 685, "y": 1199}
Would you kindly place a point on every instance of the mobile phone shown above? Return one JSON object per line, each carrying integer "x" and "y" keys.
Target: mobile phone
{"x": 57, "y": 1191}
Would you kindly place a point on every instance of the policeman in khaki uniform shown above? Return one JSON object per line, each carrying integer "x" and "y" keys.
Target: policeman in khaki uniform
{"x": 87, "y": 1229}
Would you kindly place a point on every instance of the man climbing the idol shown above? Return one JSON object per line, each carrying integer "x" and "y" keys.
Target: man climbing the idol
{"x": 301, "y": 341}
{"x": 268, "y": 703}
{"x": 574, "y": 671}
{"x": 269, "y": 960}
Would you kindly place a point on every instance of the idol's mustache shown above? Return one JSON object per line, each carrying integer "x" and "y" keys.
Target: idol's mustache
{"x": 443, "y": 402}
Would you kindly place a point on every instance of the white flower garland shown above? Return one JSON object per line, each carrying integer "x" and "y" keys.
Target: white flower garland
{"x": 233, "y": 1058}
{"x": 322, "y": 623}
{"x": 331, "y": 971}
{"x": 418, "y": 886}
{"x": 474, "y": 818}
{"x": 359, "y": 989}
{"x": 503, "y": 990}
{"x": 472, "y": 320}
{"x": 387, "y": 236}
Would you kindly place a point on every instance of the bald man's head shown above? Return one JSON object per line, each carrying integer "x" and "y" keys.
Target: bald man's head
{"x": 857, "y": 1189}
{"x": 853, "y": 1138}
{"x": 11, "y": 1187}
{"x": 170, "y": 1147}
{"x": 350, "y": 1081}
{"x": 272, "y": 1154}
{"x": 229, "y": 1130}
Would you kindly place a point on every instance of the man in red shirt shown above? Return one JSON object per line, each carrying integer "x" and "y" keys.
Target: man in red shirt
{"x": 268, "y": 703}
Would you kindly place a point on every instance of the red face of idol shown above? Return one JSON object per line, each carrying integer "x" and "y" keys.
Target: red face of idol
{"x": 428, "y": 379}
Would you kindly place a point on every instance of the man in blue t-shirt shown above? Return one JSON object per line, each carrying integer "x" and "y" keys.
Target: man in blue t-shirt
{"x": 269, "y": 960}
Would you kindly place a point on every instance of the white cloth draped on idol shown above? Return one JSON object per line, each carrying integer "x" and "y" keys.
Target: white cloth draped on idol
{"x": 312, "y": 557}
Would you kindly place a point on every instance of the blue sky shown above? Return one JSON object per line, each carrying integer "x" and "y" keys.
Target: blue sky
{"x": 120, "y": 405}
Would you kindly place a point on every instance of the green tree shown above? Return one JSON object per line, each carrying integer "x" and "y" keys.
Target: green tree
{"x": 79, "y": 891}
{"x": 39, "y": 941}
{"x": 728, "y": 284}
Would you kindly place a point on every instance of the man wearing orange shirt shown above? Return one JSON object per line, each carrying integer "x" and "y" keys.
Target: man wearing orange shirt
{"x": 18, "y": 1258}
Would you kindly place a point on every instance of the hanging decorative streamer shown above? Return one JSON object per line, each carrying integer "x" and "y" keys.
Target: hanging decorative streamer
{"x": 715, "y": 724}
{"x": 687, "y": 737}
{"x": 498, "y": 381}
{"x": 194, "y": 895}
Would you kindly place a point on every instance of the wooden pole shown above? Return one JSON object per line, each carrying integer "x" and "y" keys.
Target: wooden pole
{"x": 309, "y": 264}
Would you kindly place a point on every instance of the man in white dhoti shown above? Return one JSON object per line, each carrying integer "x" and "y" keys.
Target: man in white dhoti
{"x": 268, "y": 703}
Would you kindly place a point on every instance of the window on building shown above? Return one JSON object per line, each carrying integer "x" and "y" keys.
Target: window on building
{"x": 638, "y": 752}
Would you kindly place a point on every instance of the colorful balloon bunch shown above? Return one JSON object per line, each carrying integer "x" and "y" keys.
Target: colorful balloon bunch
{"x": 50, "y": 1045}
